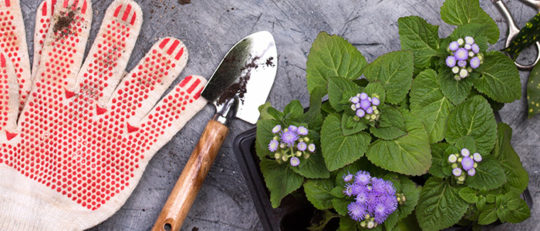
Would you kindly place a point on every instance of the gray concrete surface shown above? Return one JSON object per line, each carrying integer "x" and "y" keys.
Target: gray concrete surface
{"x": 210, "y": 28}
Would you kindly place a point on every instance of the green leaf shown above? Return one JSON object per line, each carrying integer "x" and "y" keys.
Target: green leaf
{"x": 280, "y": 180}
{"x": 455, "y": 90}
{"x": 511, "y": 208}
{"x": 268, "y": 112}
{"x": 487, "y": 215}
{"x": 337, "y": 192}
{"x": 517, "y": 176}
{"x": 340, "y": 150}
{"x": 347, "y": 224}
{"x": 412, "y": 194}
{"x": 331, "y": 56}
{"x": 339, "y": 92}
{"x": 533, "y": 92}
{"x": 439, "y": 161}
{"x": 429, "y": 102}
{"x": 439, "y": 206}
{"x": 318, "y": 193}
{"x": 409, "y": 154}
{"x": 468, "y": 195}
{"x": 475, "y": 30}
{"x": 340, "y": 205}
{"x": 499, "y": 78}
{"x": 489, "y": 175}
{"x": 263, "y": 137}
{"x": 419, "y": 36}
{"x": 391, "y": 124}
{"x": 293, "y": 112}
{"x": 394, "y": 71}
{"x": 376, "y": 89}
{"x": 313, "y": 167}
{"x": 313, "y": 116}
{"x": 350, "y": 126}
{"x": 474, "y": 118}
{"x": 461, "y": 12}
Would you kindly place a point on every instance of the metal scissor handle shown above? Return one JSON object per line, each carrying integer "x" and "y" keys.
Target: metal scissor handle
{"x": 513, "y": 30}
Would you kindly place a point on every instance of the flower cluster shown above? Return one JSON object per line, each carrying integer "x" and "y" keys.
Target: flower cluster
{"x": 375, "y": 199}
{"x": 465, "y": 56}
{"x": 464, "y": 162}
{"x": 365, "y": 106}
{"x": 291, "y": 143}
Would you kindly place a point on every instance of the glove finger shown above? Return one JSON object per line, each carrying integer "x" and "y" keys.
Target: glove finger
{"x": 171, "y": 114}
{"x": 43, "y": 22}
{"x": 9, "y": 100}
{"x": 143, "y": 86}
{"x": 63, "y": 49}
{"x": 13, "y": 44}
{"x": 109, "y": 55}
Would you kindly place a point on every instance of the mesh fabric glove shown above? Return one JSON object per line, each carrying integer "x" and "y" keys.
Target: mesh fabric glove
{"x": 85, "y": 134}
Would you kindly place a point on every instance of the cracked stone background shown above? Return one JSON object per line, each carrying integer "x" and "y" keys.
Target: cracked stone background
{"x": 209, "y": 28}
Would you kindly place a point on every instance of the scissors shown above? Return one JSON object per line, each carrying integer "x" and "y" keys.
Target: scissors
{"x": 513, "y": 30}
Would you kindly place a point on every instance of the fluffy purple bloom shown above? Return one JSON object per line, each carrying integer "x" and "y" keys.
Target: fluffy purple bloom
{"x": 462, "y": 63}
{"x": 465, "y": 152}
{"x": 381, "y": 212}
{"x": 303, "y": 131}
{"x": 369, "y": 110}
{"x": 467, "y": 163}
{"x": 378, "y": 185}
{"x": 356, "y": 188}
{"x": 348, "y": 190}
{"x": 475, "y": 62}
{"x": 276, "y": 129}
{"x": 360, "y": 113}
{"x": 289, "y": 137}
{"x": 461, "y": 54}
{"x": 301, "y": 146}
{"x": 365, "y": 104}
{"x": 453, "y": 46}
{"x": 362, "y": 178}
{"x": 273, "y": 145}
{"x": 357, "y": 211}
{"x": 450, "y": 61}
{"x": 467, "y": 47}
{"x": 293, "y": 128}
{"x": 469, "y": 40}
{"x": 347, "y": 177}
{"x": 457, "y": 171}
{"x": 375, "y": 101}
{"x": 477, "y": 157}
{"x": 355, "y": 99}
{"x": 311, "y": 147}
{"x": 471, "y": 172}
{"x": 295, "y": 161}
{"x": 362, "y": 197}
{"x": 475, "y": 48}
{"x": 363, "y": 96}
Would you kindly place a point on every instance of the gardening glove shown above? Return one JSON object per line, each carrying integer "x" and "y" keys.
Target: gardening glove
{"x": 85, "y": 134}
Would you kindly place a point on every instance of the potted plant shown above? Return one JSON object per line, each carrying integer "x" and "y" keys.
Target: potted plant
{"x": 409, "y": 140}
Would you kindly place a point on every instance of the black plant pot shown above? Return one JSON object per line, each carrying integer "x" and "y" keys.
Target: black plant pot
{"x": 296, "y": 212}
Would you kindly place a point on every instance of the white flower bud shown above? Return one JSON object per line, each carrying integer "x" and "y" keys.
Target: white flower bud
{"x": 455, "y": 70}
{"x": 370, "y": 224}
{"x": 277, "y": 155}
{"x": 460, "y": 41}
{"x": 353, "y": 107}
{"x": 452, "y": 158}
{"x": 463, "y": 73}
{"x": 298, "y": 153}
{"x": 284, "y": 158}
{"x": 282, "y": 145}
{"x": 471, "y": 54}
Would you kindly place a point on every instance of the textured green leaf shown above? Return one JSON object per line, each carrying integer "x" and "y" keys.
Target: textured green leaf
{"x": 439, "y": 206}
{"x": 474, "y": 118}
{"x": 340, "y": 150}
{"x": 280, "y": 180}
{"x": 376, "y": 89}
{"x": 351, "y": 126}
{"x": 533, "y": 92}
{"x": 267, "y": 112}
{"x": 340, "y": 205}
{"x": 347, "y": 224}
{"x": 293, "y": 112}
{"x": 511, "y": 208}
{"x": 489, "y": 175}
{"x": 468, "y": 195}
{"x": 488, "y": 215}
{"x": 409, "y": 154}
{"x": 318, "y": 193}
{"x": 517, "y": 176}
{"x": 455, "y": 90}
{"x": 331, "y": 56}
{"x": 313, "y": 116}
{"x": 439, "y": 166}
{"x": 412, "y": 194}
{"x": 339, "y": 92}
{"x": 419, "y": 36}
{"x": 461, "y": 12}
{"x": 499, "y": 78}
{"x": 429, "y": 102}
{"x": 263, "y": 137}
{"x": 313, "y": 167}
{"x": 477, "y": 31}
{"x": 391, "y": 124}
{"x": 394, "y": 71}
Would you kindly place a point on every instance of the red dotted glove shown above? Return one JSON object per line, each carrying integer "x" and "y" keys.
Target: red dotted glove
{"x": 74, "y": 154}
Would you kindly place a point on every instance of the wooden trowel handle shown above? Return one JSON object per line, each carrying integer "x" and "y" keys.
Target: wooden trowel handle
{"x": 188, "y": 185}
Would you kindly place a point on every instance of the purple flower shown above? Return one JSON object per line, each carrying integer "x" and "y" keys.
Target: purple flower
{"x": 365, "y": 104}
{"x": 311, "y": 147}
{"x": 347, "y": 177}
{"x": 355, "y": 99}
{"x": 457, "y": 171}
{"x": 348, "y": 190}
{"x": 357, "y": 211}
{"x": 477, "y": 157}
{"x": 450, "y": 61}
{"x": 465, "y": 152}
{"x": 362, "y": 197}
{"x": 462, "y": 63}
{"x": 469, "y": 40}
{"x": 356, "y": 188}
{"x": 295, "y": 161}
{"x": 369, "y": 110}
{"x": 467, "y": 163}
{"x": 375, "y": 101}
{"x": 276, "y": 129}
{"x": 461, "y": 54}
{"x": 378, "y": 185}
{"x": 471, "y": 172}
{"x": 360, "y": 113}
{"x": 362, "y": 178}
{"x": 475, "y": 62}
{"x": 363, "y": 96}
{"x": 303, "y": 131}
{"x": 453, "y": 46}
{"x": 475, "y": 48}
{"x": 467, "y": 47}
{"x": 293, "y": 128}
{"x": 301, "y": 146}
{"x": 289, "y": 137}
{"x": 273, "y": 145}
